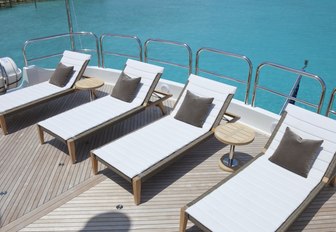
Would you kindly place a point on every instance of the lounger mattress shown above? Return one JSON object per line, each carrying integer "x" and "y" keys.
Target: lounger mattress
{"x": 26, "y": 95}
{"x": 82, "y": 118}
{"x": 263, "y": 195}
{"x": 158, "y": 140}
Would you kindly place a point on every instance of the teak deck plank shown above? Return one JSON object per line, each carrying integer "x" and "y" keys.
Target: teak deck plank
{"x": 164, "y": 194}
{"x": 30, "y": 172}
{"x": 45, "y": 196}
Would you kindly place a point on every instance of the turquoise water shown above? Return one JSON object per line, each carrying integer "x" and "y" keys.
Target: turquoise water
{"x": 282, "y": 31}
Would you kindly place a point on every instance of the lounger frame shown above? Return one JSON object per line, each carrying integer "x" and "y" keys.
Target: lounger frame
{"x": 140, "y": 178}
{"x": 71, "y": 143}
{"x": 31, "y": 104}
{"x": 328, "y": 179}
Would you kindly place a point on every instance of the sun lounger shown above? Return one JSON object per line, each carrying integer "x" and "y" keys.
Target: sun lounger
{"x": 22, "y": 99}
{"x": 264, "y": 196}
{"x": 90, "y": 117}
{"x": 141, "y": 154}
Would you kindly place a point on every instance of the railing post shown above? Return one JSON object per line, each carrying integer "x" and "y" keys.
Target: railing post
{"x": 330, "y": 104}
{"x": 68, "y": 10}
{"x": 36, "y": 40}
{"x": 102, "y": 52}
{"x": 295, "y": 89}
{"x": 288, "y": 97}
{"x": 228, "y": 54}
{"x": 186, "y": 46}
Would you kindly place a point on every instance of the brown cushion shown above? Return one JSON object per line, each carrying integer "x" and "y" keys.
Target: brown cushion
{"x": 296, "y": 154}
{"x": 126, "y": 87}
{"x": 62, "y": 75}
{"x": 194, "y": 109}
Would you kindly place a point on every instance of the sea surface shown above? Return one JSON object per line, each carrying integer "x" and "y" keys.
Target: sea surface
{"x": 286, "y": 32}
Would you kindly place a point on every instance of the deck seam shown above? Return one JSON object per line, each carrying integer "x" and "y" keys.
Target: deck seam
{"x": 53, "y": 204}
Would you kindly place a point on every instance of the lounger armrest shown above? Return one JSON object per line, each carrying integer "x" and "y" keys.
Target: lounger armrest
{"x": 231, "y": 117}
{"x": 330, "y": 180}
{"x": 157, "y": 98}
{"x": 330, "y": 174}
{"x": 161, "y": 96}
{"x": 325, "y": 180}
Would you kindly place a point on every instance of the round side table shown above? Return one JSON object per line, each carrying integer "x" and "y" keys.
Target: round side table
{"x": 89, "y": 84}
{"x": 233, "y": 134}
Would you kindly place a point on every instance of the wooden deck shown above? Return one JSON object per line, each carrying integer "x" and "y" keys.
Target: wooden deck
{"x": 40, "y": 190}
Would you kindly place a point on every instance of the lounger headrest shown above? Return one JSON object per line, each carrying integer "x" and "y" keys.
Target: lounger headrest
{"x": 212, "y": 84}
{"x": 76, "y": 55}
{"x": 144, "y": 66}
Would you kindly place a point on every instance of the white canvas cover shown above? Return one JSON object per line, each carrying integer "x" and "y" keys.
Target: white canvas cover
{"x": 39, "y": 91}
{"x": 263, "y": 195}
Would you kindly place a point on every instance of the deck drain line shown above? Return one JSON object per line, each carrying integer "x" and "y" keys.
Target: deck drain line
{"x": 3, "y": 193}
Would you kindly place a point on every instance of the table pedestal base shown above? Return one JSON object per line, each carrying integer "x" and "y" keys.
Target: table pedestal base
{"x": 92, "y": 94}
{"x": 232, "y": 163}
{"x": 233, "y": 134}
{"x": 225, "y": 161}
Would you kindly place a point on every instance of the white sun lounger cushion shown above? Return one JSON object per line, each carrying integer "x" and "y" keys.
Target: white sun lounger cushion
{"x": 27, "y": 95}
{"x": 87, "y": 116}
{"x": 138, "y": 151}
{"x": 82, "y": 118}
{"x": 263, "y": 195}
{"x": 39, "y": 91}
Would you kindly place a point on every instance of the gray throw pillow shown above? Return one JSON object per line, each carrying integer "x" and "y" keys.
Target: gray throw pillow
{"x": 61, "y": 75}
{"x": 194, "y": 109}
{"x": 296, "y": 154}
{"x": 126, "y": 88}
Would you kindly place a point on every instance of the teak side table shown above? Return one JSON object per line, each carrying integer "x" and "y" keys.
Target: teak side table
{"x": 233, "y": 134}
{"x": 90, "y": 84}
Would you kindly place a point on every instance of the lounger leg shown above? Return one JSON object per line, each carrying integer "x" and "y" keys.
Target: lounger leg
{"x": 72, "y": 150}
{"x": 183, "y": 219}
{"x": 3, "y": 124}
{"x": 136, "y": 182}
{"x": 40, "y": 132}
{"x": 332, "y": 182}
{"x": 162, "y": 108}
{"x": 94, "y": 163}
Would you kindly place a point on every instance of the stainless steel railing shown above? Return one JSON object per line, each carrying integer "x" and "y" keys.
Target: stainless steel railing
{"x": 101, "y": 52}
{"x": 91, "y": 35}
{"x": 228, "y": 54}
{"x": 295, "y": 88}
{"x": 287, "y": 96}
{"x": 167, "y": 42}
{"x": 103, "y": 38}
{"x": 330, "y": 109}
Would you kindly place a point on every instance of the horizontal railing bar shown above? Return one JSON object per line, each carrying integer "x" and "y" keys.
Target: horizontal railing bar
{"x": 220, "y": 75}
{"x": 121, "y": 54}
{"x": 332, "y": 111}
{"x": 288, "y": 96}
{"x": 45, "y": 57}
{"x": 85, "y": 50}
{"x": 167, "y": 62}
